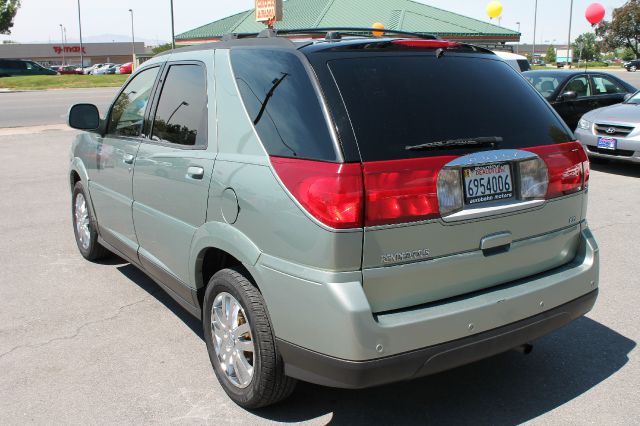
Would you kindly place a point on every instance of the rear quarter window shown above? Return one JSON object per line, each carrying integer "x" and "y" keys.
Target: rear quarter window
{"x": 282, "y": 103}
{"x": 399, "y": 101}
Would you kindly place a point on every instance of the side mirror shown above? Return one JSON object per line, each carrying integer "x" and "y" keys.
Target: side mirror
{"x": 568, "y": 96}
{"x": 84, "y": 117}
{"x": 628, "y": 96}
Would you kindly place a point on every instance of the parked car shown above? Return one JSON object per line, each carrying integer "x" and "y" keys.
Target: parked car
{"x": 18, "y": 67}
{"x": 102, "y": 69}
{"x": 613, "y": 132}
{"x": 89, "y": 70}
{"x": 55, "y": 68}
{"x": 126, "y": 68}
{"x": 338, "y": 218}
{"x": 574, "y": 93}
{"x": 517, "y": 62}
{"x": 112, "y": 69}
{"x": 68, "y": 69}
{"x": 632, "y": 66}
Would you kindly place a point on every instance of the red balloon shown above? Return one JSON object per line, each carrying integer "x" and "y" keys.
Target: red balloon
{"x": 595, "y": 13}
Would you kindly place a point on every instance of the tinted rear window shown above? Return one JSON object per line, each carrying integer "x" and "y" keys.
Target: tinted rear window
{"x": 399, "y": 101}
{"x": 524, "y": 65}
{"x": 281, "y": 101}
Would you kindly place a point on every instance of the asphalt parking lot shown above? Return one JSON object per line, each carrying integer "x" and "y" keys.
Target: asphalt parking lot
{"x": 85, "y": 343}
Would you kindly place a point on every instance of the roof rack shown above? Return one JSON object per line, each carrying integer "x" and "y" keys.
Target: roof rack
{"x": 331, "y": 33}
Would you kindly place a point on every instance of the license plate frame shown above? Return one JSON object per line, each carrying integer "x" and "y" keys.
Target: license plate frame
{"x": 487, "y": 183}
{"x": 610, "y": 144}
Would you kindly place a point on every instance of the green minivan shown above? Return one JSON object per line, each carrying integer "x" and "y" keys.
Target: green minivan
{"x": 19, "y": 67}
{"x": 348, "y": 210}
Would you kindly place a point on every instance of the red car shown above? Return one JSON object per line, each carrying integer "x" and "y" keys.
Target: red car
{"x": 67, "y": 69}
{"x": 126, "y": 68}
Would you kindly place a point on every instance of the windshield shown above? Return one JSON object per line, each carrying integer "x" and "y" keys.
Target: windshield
{"x": 635, "y": 99}
{"x": 398, "y": 101}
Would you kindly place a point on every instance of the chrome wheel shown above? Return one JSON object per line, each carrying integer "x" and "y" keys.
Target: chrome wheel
{"x": 232, "y": 340}
{"x": 81, "y": 215}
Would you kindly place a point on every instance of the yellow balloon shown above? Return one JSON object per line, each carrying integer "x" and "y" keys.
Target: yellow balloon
{"x": 494, "y": 9}
{"x": 380, "y": 26}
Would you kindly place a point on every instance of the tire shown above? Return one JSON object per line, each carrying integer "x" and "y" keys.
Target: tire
{"x": 633, "y": 68}
{"x": 267, "y": 384}
{"x": 86, "y": 238}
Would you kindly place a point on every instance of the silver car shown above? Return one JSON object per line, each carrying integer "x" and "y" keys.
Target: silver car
{"x": 613, "y": 132}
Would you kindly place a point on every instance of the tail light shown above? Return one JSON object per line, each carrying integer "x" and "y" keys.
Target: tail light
{"x": 401, "y": 191}
{"x": 330, "y": 192}
{"x": 568, "y": 167}
{"x": 353, "y": 195}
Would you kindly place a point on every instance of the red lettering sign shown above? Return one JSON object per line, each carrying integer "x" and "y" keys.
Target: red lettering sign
{"x": 268, "y": 10}
{"x": 69, "y": 49}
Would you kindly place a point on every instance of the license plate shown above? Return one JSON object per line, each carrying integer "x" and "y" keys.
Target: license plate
{"x": 487, "y": 183}
{"x": 607, "y": 143}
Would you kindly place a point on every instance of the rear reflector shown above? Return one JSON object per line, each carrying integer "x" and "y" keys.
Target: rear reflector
{"x": 568, "y": 167}
{"x": 401, "y": 191}
{"x": 330, "y": 192}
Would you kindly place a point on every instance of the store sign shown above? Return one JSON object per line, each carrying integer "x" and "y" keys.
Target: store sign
{"x": 68, "y": 49}
{"x": 268, "y": 10}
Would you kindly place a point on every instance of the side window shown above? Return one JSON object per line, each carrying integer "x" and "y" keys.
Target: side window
{"x": 181, "y": 116}
{"x": 606, "y": 86}
{"x": 29, "y": 65}
{"x": 580, "y": 85}
{"x": 281, "y": 102}
{"x": 127, "y": 114}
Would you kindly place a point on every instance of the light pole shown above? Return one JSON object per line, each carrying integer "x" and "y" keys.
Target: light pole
{"x": 63, "y": 46}
{"x": 173, "y": 37}
{"x": 133, "y": 43}
{"x": 518, "y": 44}
{"x": 535, "y": 26}
{"x": 569, "y": 42}
{"x": 81, "y": 47}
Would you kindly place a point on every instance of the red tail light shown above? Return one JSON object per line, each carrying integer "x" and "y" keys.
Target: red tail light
{"x": 568, "y": 166}
{"x": 443, "y": 44}
{"x": 402, "y": 190}
{"x": 330, "y": 192}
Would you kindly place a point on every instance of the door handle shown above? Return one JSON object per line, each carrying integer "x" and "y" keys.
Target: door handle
{"x": 128, "y": 158}
{"x": 195, "y": 172}
{"x": 493, "y": 241}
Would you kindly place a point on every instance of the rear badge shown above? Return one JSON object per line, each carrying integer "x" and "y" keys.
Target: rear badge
{"x": 403, "y": 257}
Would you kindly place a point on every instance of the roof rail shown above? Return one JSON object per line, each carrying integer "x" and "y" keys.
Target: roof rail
{"x": 331, "y": 33}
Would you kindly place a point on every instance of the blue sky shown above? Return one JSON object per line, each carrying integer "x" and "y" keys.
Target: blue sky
{"x": 38, "y": 20}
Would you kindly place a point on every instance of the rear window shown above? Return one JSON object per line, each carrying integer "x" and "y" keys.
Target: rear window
{"x": 399, "y": 101}
{"x": 282, "y": 103}
{"x": 524, "y": 65}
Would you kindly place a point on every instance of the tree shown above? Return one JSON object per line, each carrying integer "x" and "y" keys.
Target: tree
{"x": 628, "y": 55}
{"x": 8, "y": 10}
{"x": 159, "y": 49}
{"x": 550, "y": 57}
{"x": 624, "y": 29}
{"x": 586, "y": 47}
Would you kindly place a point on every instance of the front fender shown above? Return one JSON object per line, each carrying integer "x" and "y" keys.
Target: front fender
{"x": 221, "y": 236}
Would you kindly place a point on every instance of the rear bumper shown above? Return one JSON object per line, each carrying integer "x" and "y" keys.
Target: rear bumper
{"x": 324, "y": 370}
{"x": 328, "y": 313}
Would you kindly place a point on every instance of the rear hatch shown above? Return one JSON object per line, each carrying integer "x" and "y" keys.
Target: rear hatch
{"x": 471, "y": 180}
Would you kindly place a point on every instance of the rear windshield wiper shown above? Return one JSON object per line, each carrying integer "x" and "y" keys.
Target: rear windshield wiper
{"x": 491, "y": 141}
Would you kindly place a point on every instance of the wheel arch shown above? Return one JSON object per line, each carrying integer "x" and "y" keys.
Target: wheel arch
{"x": 217, "y": 246}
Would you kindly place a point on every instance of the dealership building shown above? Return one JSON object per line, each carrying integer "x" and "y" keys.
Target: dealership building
{"x": 402, "y": 15}
{"x": 56, "y": 53}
